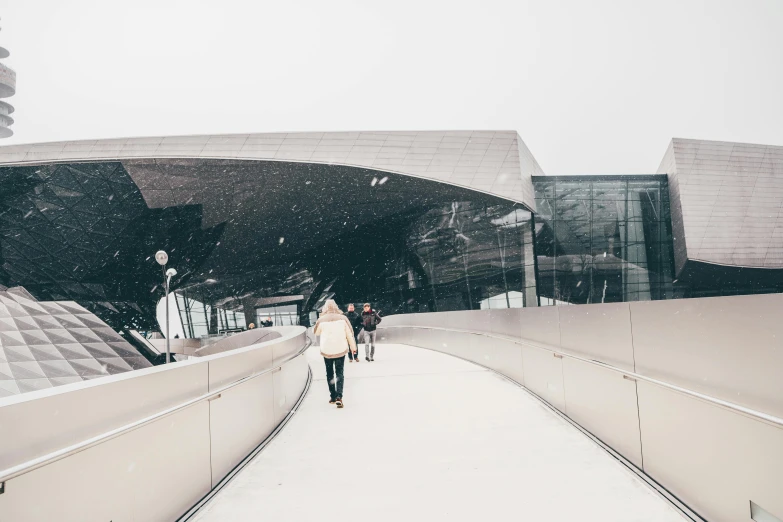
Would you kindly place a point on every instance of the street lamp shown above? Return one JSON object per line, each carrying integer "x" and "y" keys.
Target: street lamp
{"x": 162, "y": 258}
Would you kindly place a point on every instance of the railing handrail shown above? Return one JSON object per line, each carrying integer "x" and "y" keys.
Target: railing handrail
{"x": 54, "y": 456}
{"x": 626, "y": 373}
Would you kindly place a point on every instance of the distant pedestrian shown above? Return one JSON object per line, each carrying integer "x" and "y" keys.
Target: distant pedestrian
{"x": 251, "y": 326}
{"x": 356, "y": 324}
{"x": 336, "y": 339}
{"x": 266, "y": 323}
{"x": 370, "y": 321}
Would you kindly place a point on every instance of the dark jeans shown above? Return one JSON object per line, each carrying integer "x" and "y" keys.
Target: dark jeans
{"x": 351, "y": 356}
{"x": 335, "y": 366}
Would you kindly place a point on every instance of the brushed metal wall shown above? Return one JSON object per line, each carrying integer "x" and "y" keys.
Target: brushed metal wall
{"x": 725, "y": 201}
{"x": 156, "y": 472}
{"x": 726, "y": 347}
{"x": 715, "y": 459}
{"x": 496, "y": 162}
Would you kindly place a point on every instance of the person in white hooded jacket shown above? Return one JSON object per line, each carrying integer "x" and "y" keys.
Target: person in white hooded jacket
{"x": 336, "y": 338}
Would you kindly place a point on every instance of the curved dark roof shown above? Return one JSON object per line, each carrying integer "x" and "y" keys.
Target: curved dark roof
{"x": 495, "y": 162}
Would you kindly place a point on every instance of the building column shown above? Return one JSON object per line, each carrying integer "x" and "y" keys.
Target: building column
{"x": 249, "y": 308}
{"x": 213, "y": 319}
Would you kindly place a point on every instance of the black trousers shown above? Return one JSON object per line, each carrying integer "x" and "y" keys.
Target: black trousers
{"x": 351, "y": 356}
{"x": 334, "y": 376}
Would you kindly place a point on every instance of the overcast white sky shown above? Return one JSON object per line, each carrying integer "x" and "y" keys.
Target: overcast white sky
{"x": 595, "y": 86}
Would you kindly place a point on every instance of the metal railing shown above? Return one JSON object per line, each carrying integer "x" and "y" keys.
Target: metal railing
{"x": 628, "y": 375}
{"x": 44, "y": 460}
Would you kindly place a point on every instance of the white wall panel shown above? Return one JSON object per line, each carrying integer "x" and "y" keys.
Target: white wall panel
{"x": 716, "y": 460}
{"x": 37, "y": 423}
{"x": 239, "y": 421}
{"x": 540, "y": 324}
{"x": 600, "y": 331}
{"x": 502, "y": 356}
{"x": 473, "y": 320}
{"x": 153, "y": 474}
{"x": 394, "y": 335}
{"x": 227, "y": 367}
{"x": 604, "y": 404}
{"x": 510, "y": 355}
{"x": 288, "y": 385}
{"x": 544, "y": 375}
{"x": 727, "y": 347}
{"x": 453, "y": 343}
{"x": 286, "y": 348}
{"x": 505, "y": 321}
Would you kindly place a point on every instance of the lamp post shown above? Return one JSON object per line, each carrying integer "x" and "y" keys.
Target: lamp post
{"x": 162, "y": 258}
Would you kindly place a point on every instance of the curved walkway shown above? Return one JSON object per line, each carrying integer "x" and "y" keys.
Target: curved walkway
{"x": 425, "y": 436}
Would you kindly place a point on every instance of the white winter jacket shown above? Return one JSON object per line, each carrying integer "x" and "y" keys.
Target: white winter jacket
{"x": 336, "y": 335}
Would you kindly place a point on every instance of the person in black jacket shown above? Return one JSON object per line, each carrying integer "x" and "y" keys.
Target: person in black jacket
{"x": 356, "y": 324}
{"x": 370, "y": 321}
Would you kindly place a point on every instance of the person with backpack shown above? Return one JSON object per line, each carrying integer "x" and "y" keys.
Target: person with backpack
{"x": 336, "y": 339}
{"x": 356, "y": 323}
{"x": 370, "y": 321}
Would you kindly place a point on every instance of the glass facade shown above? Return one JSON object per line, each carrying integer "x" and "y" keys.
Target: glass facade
{"x": 699, "y": 279}
{"x": 453, "y": 255}
{"x": 86, "y": 232}
{"x": 194, "y": 314}
{"x": 469, "y": 256}
{"x": 282, "y": 315}
{"x": 244, "y": 231}
{"x": 603, "y": 239}
{"x": 230, "y": 320}
{"x": 199, "y": 319}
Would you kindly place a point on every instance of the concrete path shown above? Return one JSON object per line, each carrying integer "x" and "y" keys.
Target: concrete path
{"x": 425, "y": 436}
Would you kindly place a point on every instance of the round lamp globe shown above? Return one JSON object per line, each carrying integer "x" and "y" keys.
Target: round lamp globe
{"x": 161, "y": 257}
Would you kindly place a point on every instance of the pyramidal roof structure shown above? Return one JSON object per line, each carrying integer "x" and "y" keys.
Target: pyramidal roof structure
{"x": 47, "y": 344}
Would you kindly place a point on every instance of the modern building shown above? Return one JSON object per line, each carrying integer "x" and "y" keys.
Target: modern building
{"x": 7, "y": 89}
{"x": 459, "y": 223}
{"x": 273, "y": 224}
{"x": 727, "y": 216}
